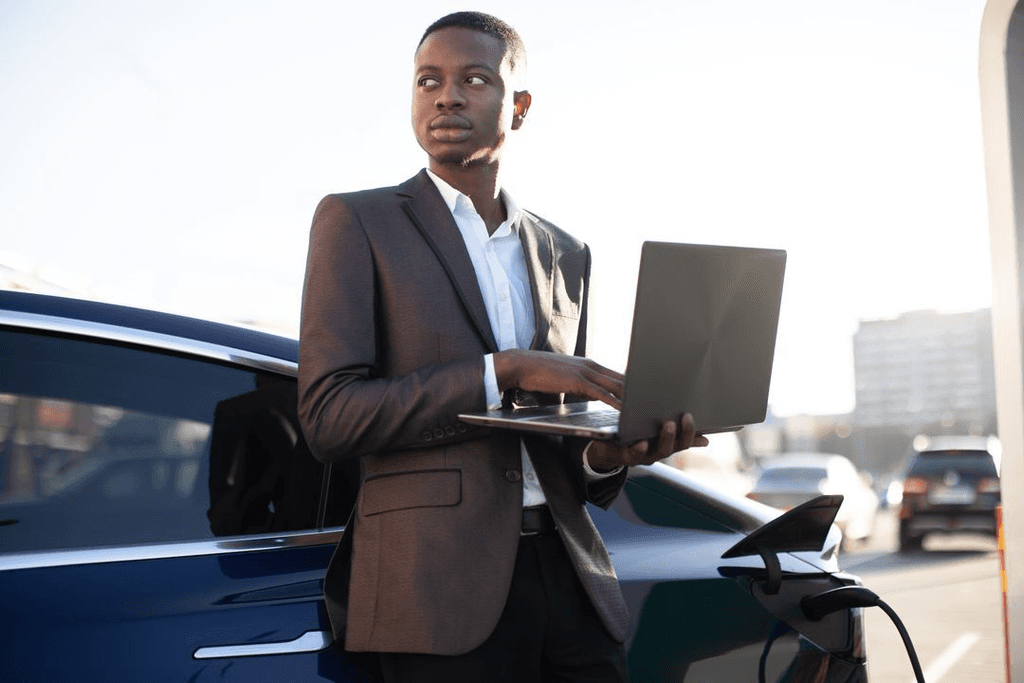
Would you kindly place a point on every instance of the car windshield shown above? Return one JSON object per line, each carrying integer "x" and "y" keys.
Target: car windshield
{"x": 792, "y": 476}
{"x": 977, "y": 462}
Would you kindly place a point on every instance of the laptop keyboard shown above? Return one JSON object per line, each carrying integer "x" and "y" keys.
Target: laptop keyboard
{"x": 593, "y": 418}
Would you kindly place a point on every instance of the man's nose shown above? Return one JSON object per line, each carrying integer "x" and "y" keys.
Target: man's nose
{"x": 450, "y": 97}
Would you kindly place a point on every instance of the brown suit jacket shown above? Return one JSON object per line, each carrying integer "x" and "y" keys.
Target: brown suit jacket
{"x": 393, "y": 335}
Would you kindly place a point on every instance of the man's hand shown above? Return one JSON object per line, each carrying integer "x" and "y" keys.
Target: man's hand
{"x": 674, "y": 437}
{"x": 554, "y": 373}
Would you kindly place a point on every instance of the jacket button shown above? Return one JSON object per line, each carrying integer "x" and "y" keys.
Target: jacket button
{"x": 461, "y": 427}
{"x": 449, "y": 430}
{"x": 438, "y": 432}
{"x": 427, "y": 436}
{"x": 513, "y": 475}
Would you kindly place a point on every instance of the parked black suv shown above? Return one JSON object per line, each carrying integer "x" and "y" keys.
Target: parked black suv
{"x": 952, "y": 485}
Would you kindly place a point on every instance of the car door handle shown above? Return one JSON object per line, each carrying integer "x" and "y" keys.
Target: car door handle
{"x": 310, "y": 641}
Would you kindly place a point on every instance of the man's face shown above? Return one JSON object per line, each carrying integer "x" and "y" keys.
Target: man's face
{"x": 462, "y": 106}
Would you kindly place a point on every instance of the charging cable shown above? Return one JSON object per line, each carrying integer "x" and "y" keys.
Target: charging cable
{"x": 845, "y": 597}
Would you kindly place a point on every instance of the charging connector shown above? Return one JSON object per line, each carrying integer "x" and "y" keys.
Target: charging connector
{"x": 845, "y": 597}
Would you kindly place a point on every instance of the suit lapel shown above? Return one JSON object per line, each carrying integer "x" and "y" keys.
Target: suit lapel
{"x": 430, "y": 214}
{"x": 540, "y": 265}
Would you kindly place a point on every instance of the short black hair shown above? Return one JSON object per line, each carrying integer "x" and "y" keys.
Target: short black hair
{"x": 515, "y": 48}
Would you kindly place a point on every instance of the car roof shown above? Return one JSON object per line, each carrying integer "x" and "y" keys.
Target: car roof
{"x": 114, "y": 321}
{"x": 957, "y": 443}
{"x": 804, "y": 459}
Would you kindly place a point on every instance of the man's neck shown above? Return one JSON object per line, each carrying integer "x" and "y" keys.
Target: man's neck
{"x": 480, "y": 184}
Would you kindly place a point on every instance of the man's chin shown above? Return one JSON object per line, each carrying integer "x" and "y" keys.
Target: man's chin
{"x": 455, "y": 159}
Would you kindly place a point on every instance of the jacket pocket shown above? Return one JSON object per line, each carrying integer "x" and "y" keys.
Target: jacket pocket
{"x": 404, "y": 490}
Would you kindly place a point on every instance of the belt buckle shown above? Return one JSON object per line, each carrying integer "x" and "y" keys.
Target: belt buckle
{"x": 540, "y": 518}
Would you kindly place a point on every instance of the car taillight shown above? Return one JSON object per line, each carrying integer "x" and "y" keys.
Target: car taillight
{"x": 988, "y": 485}
{"x": 914, "y": 485}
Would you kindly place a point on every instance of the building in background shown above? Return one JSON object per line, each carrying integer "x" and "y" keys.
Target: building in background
{"x": 923, "y": 372}
{"x": 925, "y": 368}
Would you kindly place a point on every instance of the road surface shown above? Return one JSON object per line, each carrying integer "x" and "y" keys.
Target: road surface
{"x": 949, "y": 598}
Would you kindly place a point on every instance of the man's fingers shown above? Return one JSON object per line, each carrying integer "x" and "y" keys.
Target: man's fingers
{"x": 688, "y": 436}
{"x": 554, "y": 373}
{"x": 612, "y": 395}
{"x": 675, "y": 437}
{"x": 687, "y": 432}
{"x": 612, "y": 400}
{"x": 597, "y": 367}
{"x": 637, "y": 452}
{"x": 609, "y": 380}
{"x": 666, "y": 440}
{"x": 598, "y": 383}
{"x": 593, "y": 392}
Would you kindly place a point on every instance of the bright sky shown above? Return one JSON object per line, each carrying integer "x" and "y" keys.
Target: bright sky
{"x": 170, "y": 154}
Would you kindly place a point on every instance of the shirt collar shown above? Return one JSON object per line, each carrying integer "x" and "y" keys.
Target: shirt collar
{"x": 451, "y": 199}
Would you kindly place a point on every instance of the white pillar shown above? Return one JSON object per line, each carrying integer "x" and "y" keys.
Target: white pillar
{"x": 1001, "y": 71}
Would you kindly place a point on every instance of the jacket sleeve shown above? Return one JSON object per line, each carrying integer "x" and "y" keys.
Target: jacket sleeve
{"x": 347, "y": 407}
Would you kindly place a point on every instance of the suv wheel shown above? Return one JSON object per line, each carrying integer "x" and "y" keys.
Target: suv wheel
{"x": 909, "y": 543}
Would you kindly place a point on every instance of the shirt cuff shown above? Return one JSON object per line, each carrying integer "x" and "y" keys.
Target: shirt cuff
{"x": 590, "y": 474}
{"x": 491, "y": 391}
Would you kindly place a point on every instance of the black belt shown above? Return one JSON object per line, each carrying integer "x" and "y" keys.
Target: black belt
{"x": 537, "y": 520}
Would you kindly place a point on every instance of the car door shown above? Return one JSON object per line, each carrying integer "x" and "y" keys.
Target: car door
{"x": 160, "y": 517}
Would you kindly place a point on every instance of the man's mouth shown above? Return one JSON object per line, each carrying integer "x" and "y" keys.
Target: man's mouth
{"x": 450, "y": 121}
{"x": 450, "y": 128}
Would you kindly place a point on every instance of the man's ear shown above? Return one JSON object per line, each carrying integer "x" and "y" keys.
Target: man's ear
{"x": 522, "y": 100}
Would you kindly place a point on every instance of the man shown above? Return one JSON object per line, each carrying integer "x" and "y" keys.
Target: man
{"x": 470, "y": 554}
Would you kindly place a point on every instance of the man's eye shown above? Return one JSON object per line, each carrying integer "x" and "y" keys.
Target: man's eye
{"x": 475, "y": 80}
{"x": 428, "y": 82}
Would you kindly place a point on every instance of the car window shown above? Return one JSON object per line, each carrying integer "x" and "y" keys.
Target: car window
{"x": 933, "y": 462}
{"x": 793, "y": 475}
{"x": 105, "y": 444}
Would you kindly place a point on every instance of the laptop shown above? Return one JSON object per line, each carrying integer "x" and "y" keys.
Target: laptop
{"x": 702, "y": 342}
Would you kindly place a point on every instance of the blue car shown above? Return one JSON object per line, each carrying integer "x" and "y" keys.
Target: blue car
{"x": 161, "y": 519}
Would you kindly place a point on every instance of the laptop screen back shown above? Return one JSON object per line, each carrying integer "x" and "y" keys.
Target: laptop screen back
{"x": 703, "y": 338}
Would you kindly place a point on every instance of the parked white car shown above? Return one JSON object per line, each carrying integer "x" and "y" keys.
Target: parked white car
{"x": 794, "y": 478}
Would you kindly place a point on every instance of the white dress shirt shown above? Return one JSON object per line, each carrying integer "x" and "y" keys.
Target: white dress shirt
{"x": 500, "y": 267}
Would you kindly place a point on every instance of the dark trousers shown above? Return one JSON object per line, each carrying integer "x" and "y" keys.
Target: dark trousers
{"x": 548, "y": 631}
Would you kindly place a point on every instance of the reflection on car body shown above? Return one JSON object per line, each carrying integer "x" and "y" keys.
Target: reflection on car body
{"x": 161, "y": 517}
